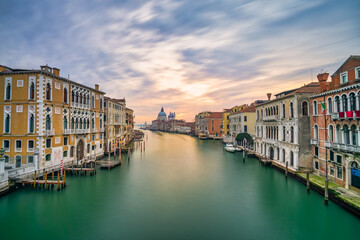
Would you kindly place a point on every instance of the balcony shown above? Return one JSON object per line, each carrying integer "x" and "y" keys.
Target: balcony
{"x": 346, "y": 115}
{"x": 327, "y": 144}
{"x": 67, "y": 131}
{"x": 314, "y": 141}
{"x": 102, "y": 129}
{"x": 49, "y": 132}
{"x": 271, "y": 118}
{"x": 347, "y": 147}
{"x": 94, "y": 130}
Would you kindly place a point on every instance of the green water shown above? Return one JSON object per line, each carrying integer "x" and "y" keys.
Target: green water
{"x": 180, "y": 188}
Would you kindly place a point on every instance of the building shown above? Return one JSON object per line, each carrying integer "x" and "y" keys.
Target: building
{"x": 115, "y": 123}
{"x": 200, "y": 128}
{"x": 235, "y": 121}
{"x": 46, "y": 118}
{"x": 129, "y": 120}
{"x": 278, "y": 124}
{"x": 335, "y": 125}
{"x": 162, "y": 115}
{"x": 226, "y": 125}
{"x": 209, "y": 125}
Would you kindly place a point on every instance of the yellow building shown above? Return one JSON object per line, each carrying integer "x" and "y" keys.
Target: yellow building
{"x": 115, "y": 123}
{"x": 226, "y": 122}
{"x": 46, "y": 118}
{"x": 129, "y": 135}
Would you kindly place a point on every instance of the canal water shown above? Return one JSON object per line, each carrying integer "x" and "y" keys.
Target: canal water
{"x": 179, "y": 188}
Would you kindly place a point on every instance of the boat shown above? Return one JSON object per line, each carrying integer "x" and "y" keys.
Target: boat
{"x": 229, "y": 148}
{"x": 238, "y": 149}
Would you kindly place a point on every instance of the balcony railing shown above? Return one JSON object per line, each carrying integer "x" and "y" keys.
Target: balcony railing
{"x": 271, "y": 118}
{"x": 327, "y": 144}
{"x": 347, "y": 147}
{"x": 102, "y": 129}
{"x": 314, "y": 141}
{"x": 346, "y": 115}
{"x": 49, "y": 132}
{"x": 67, "y": 131}
{"x": 94, "y": 130}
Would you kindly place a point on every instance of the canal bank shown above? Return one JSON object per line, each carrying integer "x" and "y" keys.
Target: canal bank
{"x": 178, "y": 188}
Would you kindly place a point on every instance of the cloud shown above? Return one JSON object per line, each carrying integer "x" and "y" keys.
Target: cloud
{"x": 186, "y": 56}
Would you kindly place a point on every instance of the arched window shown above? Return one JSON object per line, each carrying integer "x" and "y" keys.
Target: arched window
{"x": 65, "y": 122}
{"x": 101, "y": 125}
{"x": 344, "y": 103}
{"x": 81, "y": 98}
{"x": 315, "y": 108}
{"x": 291, "y": 109}
{"x": 88, "y": 124}
{"x": 48, "y": 91}
{"x": 81, "y": 123}
{"x": 257, "y": 115}
{"x": 271, "y": 111}
{"x": 65, "y": 95}
{"x": 31, "y": 123}
{"x": 77, "y": 124}
{"x": 262, "y": 114}
{"x": 92, "y": 123}
{"x": 346, "y": 134}
{"x": 354, "y": 135}
{"x": 304, "y": 107}
{"x": 32, "y": 91}
{"x": 329, "y": 105}
{"x": 72, "y": 123}
{"x": 292, "y": 134}
{"x": 316, "y": 132}
{"x": 88, "y": 100}
{"x": 331, "y": 133}
{"x": 48, "y": 122}
{"x": 337, "y": 104}
{"x": 8, "y": 92}
{"x": 77, "y": 97}
{"x": 352, "y": 101}
{"x": 277, "y": 110}
{"x": 338, "y": 134}
{"x": 7, "y": 123}
{"x": 283, "y": 155}
{"x": 284, "y": 133}
{"x": 291, "y": 159}
{"x": 283, "y": 110}
{"x": 72, "y": 96}
{"x": 93, "y": 101}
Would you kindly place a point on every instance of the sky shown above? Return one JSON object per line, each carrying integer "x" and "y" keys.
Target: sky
{"x": 187, "y": 56}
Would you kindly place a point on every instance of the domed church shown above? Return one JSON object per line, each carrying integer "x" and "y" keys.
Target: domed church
{"x": 162, "y": 115}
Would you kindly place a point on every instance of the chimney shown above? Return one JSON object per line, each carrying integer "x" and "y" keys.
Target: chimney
{"x": 2, "y": 68}
{"x": 97, "y": 87}
{"x": 46, "y": 68}
{"x": 56, "y": 72}
{"x": 322, "y": 78}
{"x": 269, "y": 96}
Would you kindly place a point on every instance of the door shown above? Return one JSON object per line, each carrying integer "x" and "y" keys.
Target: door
{"x": 80, "y": 150}
{"x": 355, "y": 175}
{"x": 271, "y": 153}
{"x": 18, "y": 161}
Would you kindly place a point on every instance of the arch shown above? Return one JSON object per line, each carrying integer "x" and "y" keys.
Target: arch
{"x": 346, "y": 134}
{"x": 80, "y": 150}
{"x": 292, "y": 134}
{"x": 338, "y": 134}
{"x": 353, "y": 173}
{"x": 291, "y": 109}
{"x": 65, "y": 95}
{"x": 305, "y": 108}
{"x": 283, "y": 110}
{"x": 48, "y": 91}
{"x": 331, "y": 132}
{"x": 17, "y": 161}
{"x": 48, "y": 122}
{"x": 8, "y": 91}
{"x": 344, "y": 99}
{"x": 316, "y": 131}
{"x": 32, "y": 90}
{"x": 354, "y": 135}
{"x": 315, "y": 108}
{"x": 337, "y": 105}
{"x": 329, "y": 105}
{"x": 72, "y": 123}
{"x": 271, "y": 153}
{"x": 291, "y": 158}
{"x": 352, "y": 99}
{"x": 31, "y": 123}
{"x": 7, "y": 123}
{"x": 283, "y": 155}
{"x": 72, "y": 96}
{"x": 65, "y": 123}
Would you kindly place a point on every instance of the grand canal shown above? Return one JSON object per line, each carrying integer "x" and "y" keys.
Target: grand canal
{"x": 179, "y": 188}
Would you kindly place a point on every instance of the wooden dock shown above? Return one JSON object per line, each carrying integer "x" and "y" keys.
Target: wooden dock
{"x": 110, "y": 166}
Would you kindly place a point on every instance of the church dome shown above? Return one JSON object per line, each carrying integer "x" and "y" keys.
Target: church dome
{"x": 162, "y": 115}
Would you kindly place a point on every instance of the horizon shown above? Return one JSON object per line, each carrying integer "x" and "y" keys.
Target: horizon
{"x": 187, "y": 57}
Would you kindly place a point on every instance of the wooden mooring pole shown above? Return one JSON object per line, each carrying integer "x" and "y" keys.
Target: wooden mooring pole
{"x": 326, "y": 191}
{"x": 286, "y": 170}
{"x": 58, "y": 181}
{"x": 308, "y": 181}
{"x": 45, "y": 178}
{"x": 35, "y": 179}
{"x": 244, "y": 155}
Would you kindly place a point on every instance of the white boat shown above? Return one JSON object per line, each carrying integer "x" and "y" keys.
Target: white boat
{"x": 238, "y": 149}
{"x": 229, "y": 148}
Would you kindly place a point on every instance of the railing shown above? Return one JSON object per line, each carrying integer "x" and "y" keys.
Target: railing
{"x": 67, "y": 131}
{"x": 102, "y": 129}
{"x": 347, "y": 147}
{"x": 335, "y": 116}
{"x": 94, "y": 130}
{"x": 314, "y": 141}
{"x": 327, "y": 144}
{"x": 271, "y": 118}
{"x": 49, "y": 132}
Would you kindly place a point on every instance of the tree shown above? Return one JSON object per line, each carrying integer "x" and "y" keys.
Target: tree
{"x": 241, "y": 136}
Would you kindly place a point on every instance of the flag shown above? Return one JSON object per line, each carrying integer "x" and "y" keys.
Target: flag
{"x": 323, "y": 108}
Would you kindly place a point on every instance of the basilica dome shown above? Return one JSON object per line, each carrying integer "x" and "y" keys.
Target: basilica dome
{"x": 162, "y": 115}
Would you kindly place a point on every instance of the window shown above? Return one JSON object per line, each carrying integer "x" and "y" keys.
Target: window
{"x": 100, "y": 145}
{"x": 48, "y": 157}
{"x": 329, "y": 105}
{"x": 92, "y": 101}
{"x": 48, "y": 122}
{"x": 18, "y": 145}
{"x": 7, "y": 158}
{"x": 31, "y": 145}
{"x": 72, "y": 150}
{"x": 344, "y": 102}
{"x": 93, "y": 147}
{"x": 48, "y": 91}
{"x": 72, "y": 123}
{"x": 316, "y": 132}
{"x": 7, "y": 123}
{"x": 283, "y": 110}
{"x": 338, "y": 134}
{"x": 93, "y": 137}
{"x": 65, "y": 95}
{"x": 31, "y": 123}
{"x": 65, "y": 141}
{"x": 346, "y": 134}
{"x": 48, "y": 143}
{"x": 331, "y": 156}
{"x": 339, "y": 172}
{"x": 65, "y": 154}
{"x": 315, "y": 108}
{"x": 357, "y": 72}
{"x": 284, "y": 133}
{"x": 292, "y": 134}
{"x": 17, "y": 161}
{"x": 245, "y": 118}
{"x": 32, "y": 91}
{"x": 291, "y": 159}
{"x": 354, "y": 135}
{"x": 331, "y": 133}
{"x": 304, "y": 107}
{"x": 292, "y": 110}
{"x": 88, "y": 148}
{"x": 332, "y": 171}
{"x": 6, "y": 145}
{"x": 316, "y": 165}
{"x": 343, "y": 78}
{"x": 316, "y": 151}
{"x": 65, "y": 123}
{"x": 245, "y": 128}
{"x": 30, "y": 159}
{"x": 337, "y": 104}
{"x": 352, "y": 101}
